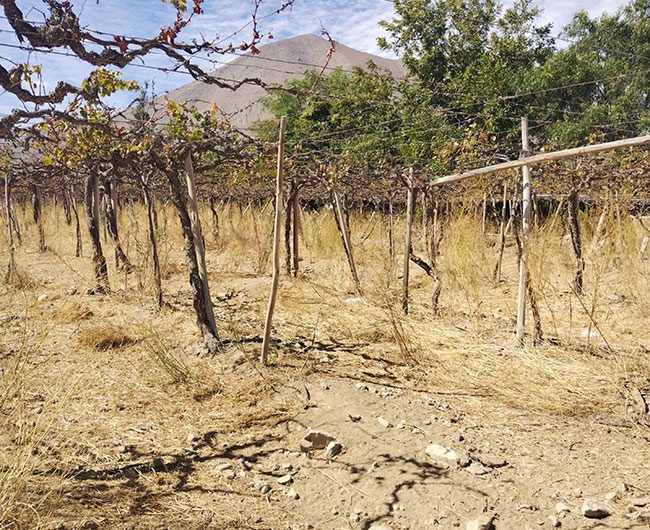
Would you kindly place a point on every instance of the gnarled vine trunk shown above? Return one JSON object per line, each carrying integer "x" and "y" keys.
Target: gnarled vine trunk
{"x": 91, "y": 205}
{"x": 37, "y": 212}
{"x": 573, "y": 202}
{"x": 204, "y": 322}
{"x": 121, "y": 260}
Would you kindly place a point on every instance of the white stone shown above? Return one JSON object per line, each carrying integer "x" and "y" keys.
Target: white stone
{"x": 333, "y": 449}
{"x": 561, "y": 507}
{"x": 384, "y": 422}
{"x": 476, "y": 468}
{"x": 482, "y": 523}
{"x": 285, "y": 479}
{"x": 441, "y": 453}
{"x": 554, "y": 521}
{"x": 594, "y": 510}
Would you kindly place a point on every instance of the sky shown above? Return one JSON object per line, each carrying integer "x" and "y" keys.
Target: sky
{"x": 352, "y": 22}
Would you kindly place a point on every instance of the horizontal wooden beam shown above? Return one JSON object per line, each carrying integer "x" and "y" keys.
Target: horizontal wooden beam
{"x": 545, "y": 157}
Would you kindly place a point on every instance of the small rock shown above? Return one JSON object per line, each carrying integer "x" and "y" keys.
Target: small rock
{"x": 554, "y": 521}
{"x": 353, "y": 300}
{"x": 192, "y": 438}
{"x": 288, "y": 467}
{"x": 401, "y": 425}
{"x": 315, "y": 440}
{"x": 561, "y": 507}
{"x": 71, "y": 291}
{"x": 223, "y": 466}
{"x": 260, "y": 485}
{"x": 42, "y": 297}
{"x": 293, "y": 494}
{"x": 285, "y": 479}
{"x": 639, "y": 502}
{"x": 594, "y": 510}
{"x": 354, "y": 418}
{"x": 482, "y": 523}
{"x": 333, "y": 449}
{"x": 492, "y": 461}
{"x": 362, "y": 386}
{"x": 622, "y": 487}
{"x": 324, "y": 385}
{"x": 476, "y": 468}
{"x": 611, "y": 495}
{"x": 384, "y": 422}
{"x": 463, "y": 460}
{"x": 441, "y": 453}
{"x": 457, "y": 437}
{"x": 228, "y": 474}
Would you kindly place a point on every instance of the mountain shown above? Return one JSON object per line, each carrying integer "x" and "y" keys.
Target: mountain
{"x": 276, "y": 63}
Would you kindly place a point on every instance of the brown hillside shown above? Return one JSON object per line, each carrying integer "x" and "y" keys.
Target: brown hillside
{"x": 276, "y": 63}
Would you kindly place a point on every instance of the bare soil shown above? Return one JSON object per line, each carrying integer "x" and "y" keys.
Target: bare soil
{"x": 119, "y": 424}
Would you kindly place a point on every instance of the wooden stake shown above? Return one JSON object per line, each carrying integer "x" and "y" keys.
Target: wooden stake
{"x": 410, "y": 206}
{"x": 344, "y": 227}
{"x": 198, "y": 240}
{"x": 277, "y": 227}
{"x": 296, "y": 230}
{"x": 525, "y": 227}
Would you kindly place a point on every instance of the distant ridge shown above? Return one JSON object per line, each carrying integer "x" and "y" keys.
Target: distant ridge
{"x": 276, "y": 63}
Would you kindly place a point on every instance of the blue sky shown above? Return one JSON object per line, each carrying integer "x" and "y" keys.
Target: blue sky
{"x": 354, "y": 23}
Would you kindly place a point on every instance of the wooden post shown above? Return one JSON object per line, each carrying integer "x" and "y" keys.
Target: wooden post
{"x": 11, "y": 266}
{"x": 276, "y": 243}
{"x": 198, "y": 239}
{"x": 502, "y": 233}
{"x": 296, "y": 230}
{"x": 484, "y": 215}
{"x": 410, "y": 206}
{"x": 525, "y": 227}
{"x": 391, "y": 231}
{"x": 344, "y": 227}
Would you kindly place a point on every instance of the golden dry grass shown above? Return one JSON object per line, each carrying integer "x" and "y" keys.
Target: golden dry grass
{"x": 93, "y": 402}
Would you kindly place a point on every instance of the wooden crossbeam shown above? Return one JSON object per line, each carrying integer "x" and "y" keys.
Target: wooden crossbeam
{"x": 545, "y": 157}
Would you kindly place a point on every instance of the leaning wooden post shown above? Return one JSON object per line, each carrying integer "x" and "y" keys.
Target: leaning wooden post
{"x": 410, "y": 206}
{"x": 296, "y": 230}
{"x": 198, "y": 241}
{"x": 525, "y": 227}
{"x": 11, "y": 266}
{"x": 277, "y": 227}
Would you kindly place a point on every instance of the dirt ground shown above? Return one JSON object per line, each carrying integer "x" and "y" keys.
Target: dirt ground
{"x": 111, "y": 420}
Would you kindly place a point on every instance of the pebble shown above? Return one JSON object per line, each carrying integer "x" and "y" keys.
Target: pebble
{"x": 333, "y": 449}
{"x": 622, "y": 487}
{"x": 260, "y": 485}
{"x": 561, "y": 507}
{"x": 610, "y": 496}
{"x": 315, "y": 440}
{"x": 442, "y": 453}
{"x": 492, "y": 461}
{"x": 223, "y": 466}
{"x": 324, "y": 385}
{"x": 42, "y": 297}
{"x": 457, "y": 437}
{"x": 554, "y": 521}
{"x": 228, "y": 474}
{"x": 482, "y": 523}
{"x": 639, "y": 502}
{"x": 594, "y": 510}
{"x": 384, "y": 422}
{"x": 293, "y": 494}
{"x": 354, "y": 418}
{"x": 285, "y": 479}
{"x": 362, "y": 386}
{"x": 476, "y": 468}
{"x": 71, "y": 291}
{"x": 401, "y": 425}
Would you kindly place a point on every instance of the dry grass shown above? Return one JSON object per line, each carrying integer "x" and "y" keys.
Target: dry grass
{"x": 149, "y": 379}
{"x": 106, "y": 336}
